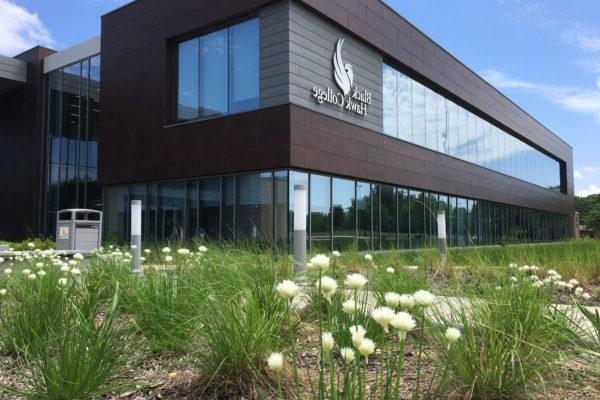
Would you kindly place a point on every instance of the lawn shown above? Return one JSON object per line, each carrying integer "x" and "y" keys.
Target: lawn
{"x": 212, "y": 321}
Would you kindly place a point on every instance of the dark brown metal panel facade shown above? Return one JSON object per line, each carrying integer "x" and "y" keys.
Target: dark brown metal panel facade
{"x": 21, "y": 152}
{"x": 323, "y": 143}
{"x": 381, "y": 27}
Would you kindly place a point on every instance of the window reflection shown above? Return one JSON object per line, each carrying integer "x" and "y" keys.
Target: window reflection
{"x": 343, "y": 209}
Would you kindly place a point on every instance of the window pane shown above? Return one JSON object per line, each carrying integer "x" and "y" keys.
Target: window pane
{"x": 243, "y": 66}
{"x": 152, "y": 214}
{"x": 320, "y": 209}
{"x": 70, "y": 112}
{"x": 442, "y": 129}
{"x": 418, "y": 102}
{"x": 191, "y": 222}
{"x": 363, "y": 206}
{"x": 389, "y": 238}
{"x": 297, "y": 178}
{"x": 390, "y": 101}
{"x": 453, "y": 141}
{"x": 213, "y": 74}
{"x": 343, "y": 214}
{"x": 115, "y": 215}
{"x": 431, "y": 139}
{"x": 254, "y": 208}
{"x": 461, "y": 213}
{"x": 404, "y": 108}
{"x": 403, "y": 219}
{"x": 280, "y": 212}
{"x": 416, "y": 219}
{"x": 209, "y": 204}
{"x": 228, "y": 208}
{"x": 187, "y": 74}
{"x": 171, "y": 201}
{"x": 463, "y": 135}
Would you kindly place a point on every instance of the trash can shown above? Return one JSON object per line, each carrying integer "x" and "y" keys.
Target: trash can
{"x": 78, "y": 229}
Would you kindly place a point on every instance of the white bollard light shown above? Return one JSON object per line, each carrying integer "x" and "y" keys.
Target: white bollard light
{"x": 441, "y": 223}
{"x": 299, "y": 242}
{"x": 136, "y": 235}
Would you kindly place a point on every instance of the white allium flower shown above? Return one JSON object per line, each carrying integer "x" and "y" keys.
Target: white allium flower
{"x": 390, "y": 270}
{"x": 570, "y": 286}
{"x": 358, "y": 334}
{"x": 369, "y": 258}
{"x": 424, "y": 298}
{"x": 552, "y": 272}
{"x": 348, "y": 355}
{"x": 574, "y": 282}
{"x": 202, "y": 249}
{"x": 328, "y": 342}
{"x": 349, "y": 307}
{"x": 407, "y": 301}
{"x": 65, "y": 268}
{"x": 561, "y": 284}
{"x": 133, "y": 247}
{"x": 586, "y": 296}
{"x": 142, "y": 259}
{"x": 31, "y": 245}
{"x": 26, "y": 271}
{"x": 75, "y": 271}
{"x": 41, "y": 273}
{"x": 183, "y": 252}
{"x": 287, "y": 289}
{"x": 328, "y": 287}
{"x": 39, "y": 265}
{"x": 275, "y": 362}
{"x": 524, "y": 268}
{"x": 168, "y": 259}
{"x": 147, "y": 251}
{"x": 404, "y": 323}
{"x": 31, "y": 276}
{"x": 79, "y": 256}
{"x": 534, "y": 268}
{"x": 2, "y": 292}
{"x": 72, "y": 263}
{"x": 62, "y": 282}
{"x": 383, "y": 316}
{"x": 392, "y": 299}
{"x": 355, "y": 281}
{"x": 513, "y": 278}
{"x": 452, "y": 335}
{"x": 335, "y": 253}
{"x": 166, "y": 250}
{"x": 512, "y": 266}
{"x": 579, "y": 291}
{"x": 319, "y": 262}
{"x": 556, "y": 277}
{"x": 8, "y": 271}
{"x": 366, "y": 347}
{"x": 537, "y": 284}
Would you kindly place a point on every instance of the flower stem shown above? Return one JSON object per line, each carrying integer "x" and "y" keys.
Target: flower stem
{"x": 420, "y": 354}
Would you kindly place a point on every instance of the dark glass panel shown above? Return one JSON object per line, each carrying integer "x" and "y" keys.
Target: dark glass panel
{"x": 403, "y": 219}
{"x": 461, "y": 213}
{"x": 187, "y": 81}
{"x": 417, "y": 216}
{"x": 343, "y": 208}
{"x": 375, "y": 204}
{"x": 228, "y": 208}
{"x": 280, "y": 212}
{"x": 431, "y": 219}
{"x": 472, "y": 235}
{"x": 254, "y": 208}
{"x": 116, "y": 213}
{"x": 210, "y": 208}
{"x": 243, "y": 66}
{"x": 71, "y": 111}
{"x": 388, "y": 212}
{"x": 191, "y": 221}
{"x": 171, "y": 203}
{"x": 320, "y": 213}
{"x": 363, "y": 209}
{"x": 452, "y": 222}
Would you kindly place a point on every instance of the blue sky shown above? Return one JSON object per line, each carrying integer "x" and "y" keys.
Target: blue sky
{"x": 543, "y": 54}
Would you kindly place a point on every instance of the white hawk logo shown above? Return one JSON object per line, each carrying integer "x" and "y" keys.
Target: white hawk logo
{"x": 343, "y": 74}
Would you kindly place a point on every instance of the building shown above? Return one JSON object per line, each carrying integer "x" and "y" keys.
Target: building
{"x": 210, "y": 112}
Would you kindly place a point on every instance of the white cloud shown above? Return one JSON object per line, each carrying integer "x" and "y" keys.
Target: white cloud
{"x": 591, "y": 169}
{"x": 578, "y": 174}
{"x": 589, "y": 190}
{"x": 583, "y": 37}
{"x": 20, "y": 29}
{"x": 576, "y": 99}
{"x": 589, "y": 64}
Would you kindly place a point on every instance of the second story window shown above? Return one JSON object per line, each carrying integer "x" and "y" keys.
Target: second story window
{"x": 217, "y": 73}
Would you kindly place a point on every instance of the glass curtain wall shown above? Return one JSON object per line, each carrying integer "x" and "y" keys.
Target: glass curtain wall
{"x": 415, "y": 113}
{"x": 342, "y": 214}
{"x": 71, "y": 129}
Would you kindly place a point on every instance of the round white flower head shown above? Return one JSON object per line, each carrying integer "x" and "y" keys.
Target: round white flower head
{"x": 31, "y": 245}
{"x": 534, "y": 268}
{"x": 319, "y": 262}
{"x": 452, "y": 335}
{"x": 168, "y": 259}
{"x": 513, "y": 278}
{"x": 202, "y": 249}
{"x": 349, "y": 307}
{"x": 347, "y": 355}
{"x": 512, "y": 266}
{"x": 183, "y": 252}
{"x": 369, "y": 258}
{"x": 31, "y": 276}
{"x": 166, "y": 250}
{"x": 133, "y": 247}
{"x": 574, "y": 282}
{"x": 392, "y": 299}
{"x": 424, "y": 298}
{"x": 383, "y": 316}
{"x": 65, "y": 268}
{"x": 355, "y": 281}
{"x": 8, "y": 271}
{"x": 62, "y": 282}
{"x": 275, "y": 362}
{"x": 404, "y": 323}
{"x": 328, "y": 287}
{"x": 41, "y": 273}
{"x": 407, "y": 301}
{"x": 570, "y": 286}
{"x": 551, "y": 272}
{"x": 39, "y": 265}
{"x": 328, "y": 342}
{"x": 537, "y": 284}
{"x": 142, "y": 259}
{"x": 366, "y": 347}
{"x": 2, "y": 292}
{"x": 79, "y": 256}
{"x": 26, "y": 271}
{"x": 524, "y": 268}
{"x": 358, "y": 334}
{"x": 335, "y": 253}
{"x": 579, "y": 291}
{"x": 561, "y": 283}
{"x": 1, "y": 260}
{"x": 287, "y": 289}
{"x": 75, "y": 271}
{"x": 147, "y": 251}
{"x": 390, "y": 270}
{"x": 72, "y": 263}
{"x": 586, "y": 296}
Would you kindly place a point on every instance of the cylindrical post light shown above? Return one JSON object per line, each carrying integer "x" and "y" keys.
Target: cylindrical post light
{"x": 299, "y": 242}
{"x": 136, "y": 235}
{"x": 441, "y": 224}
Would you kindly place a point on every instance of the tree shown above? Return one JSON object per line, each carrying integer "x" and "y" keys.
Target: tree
{"x": 592, "y": 219}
